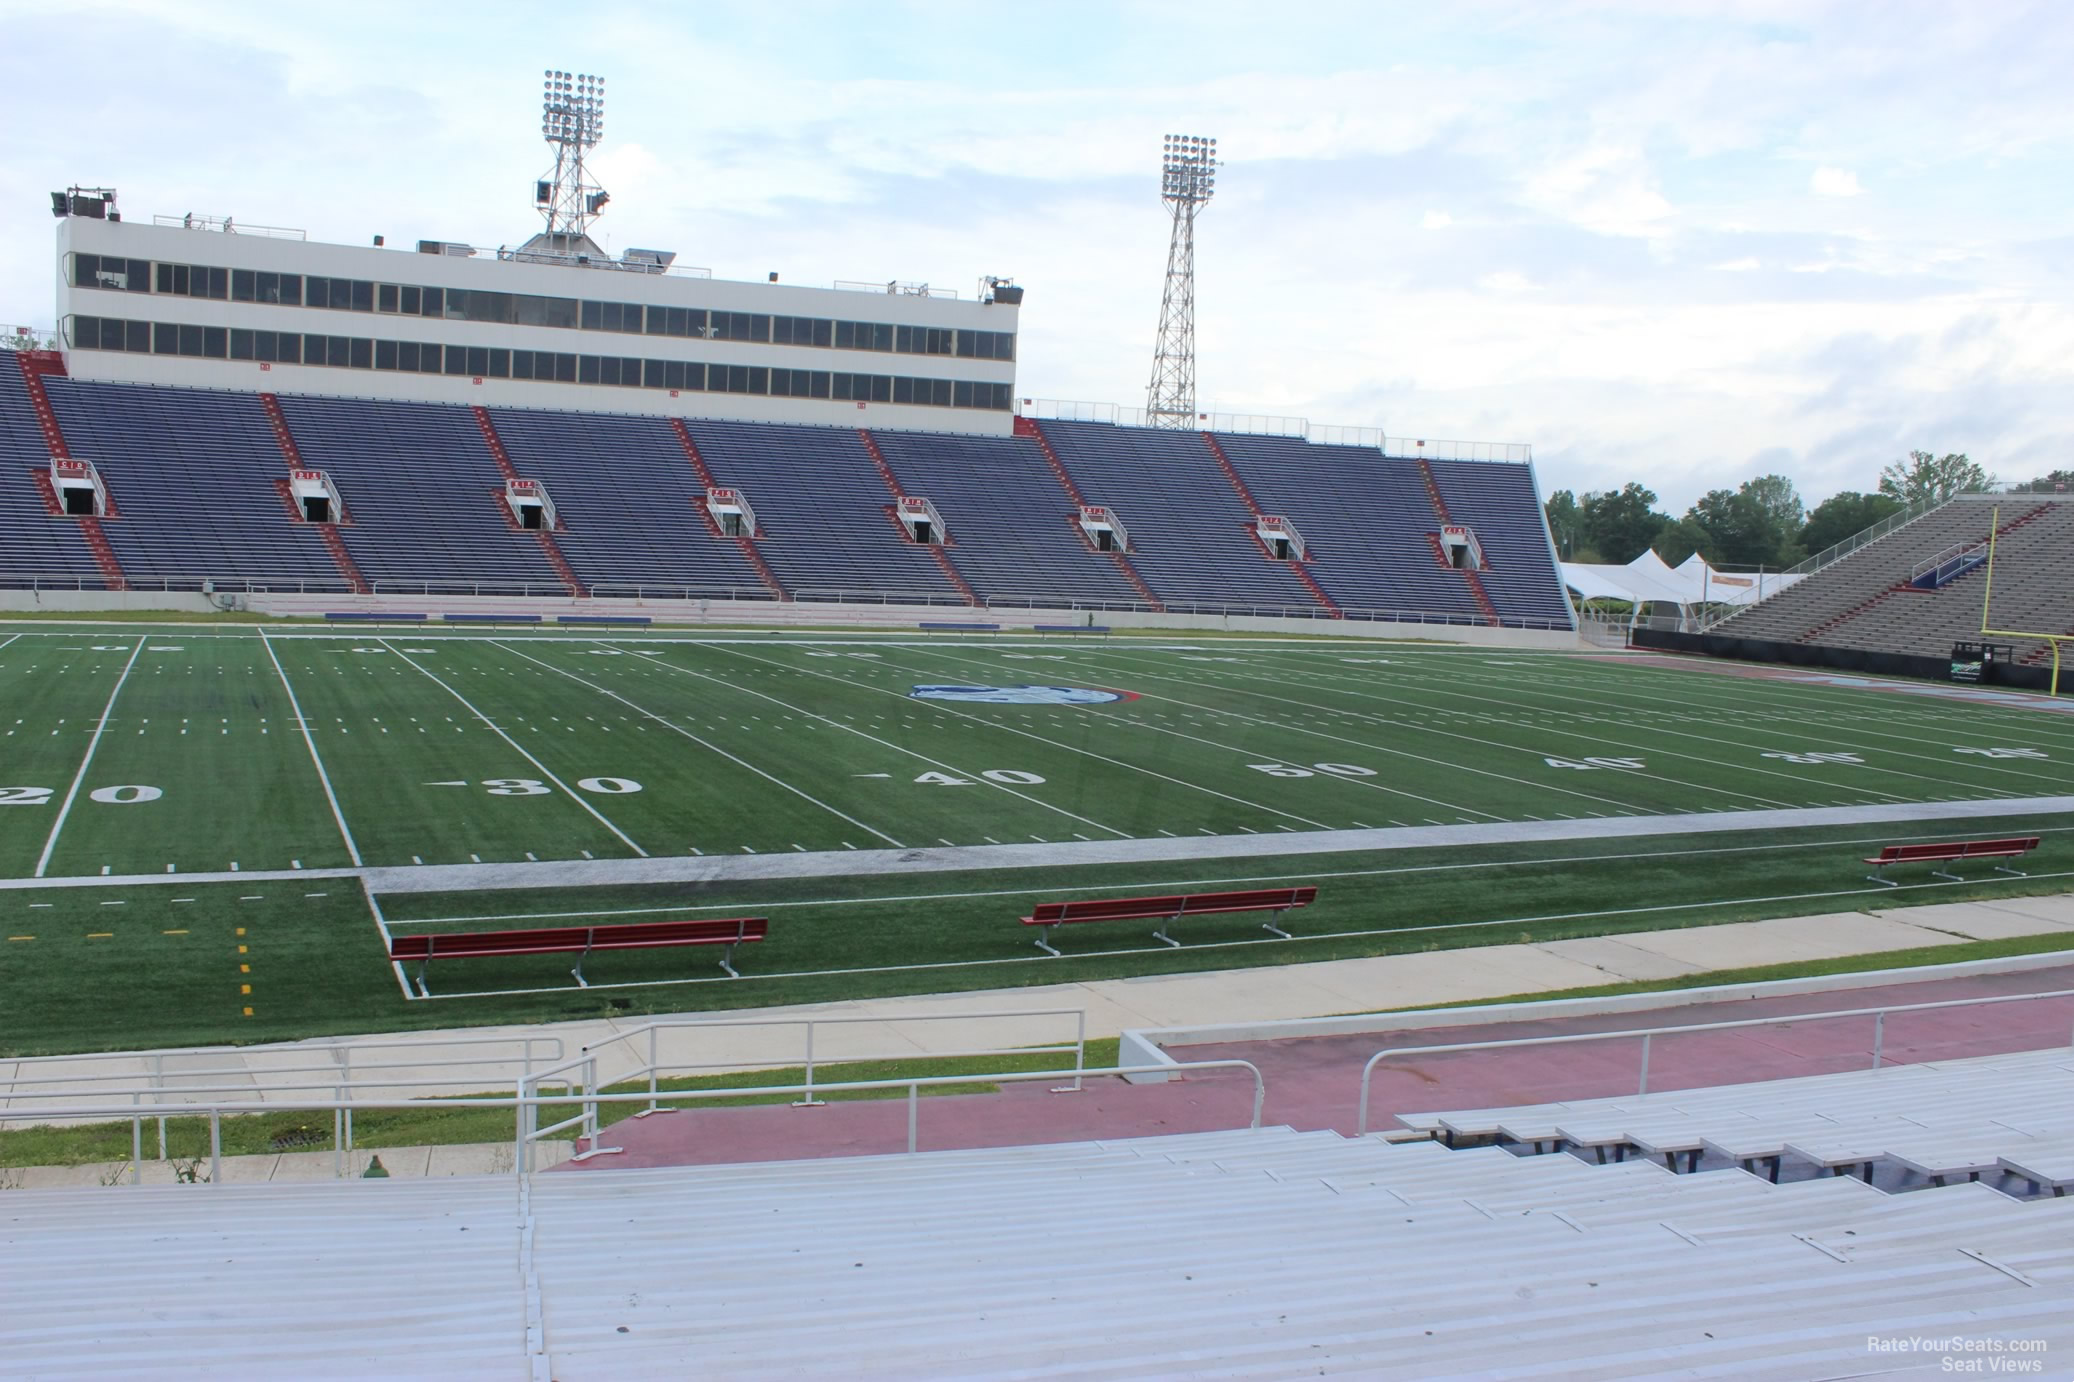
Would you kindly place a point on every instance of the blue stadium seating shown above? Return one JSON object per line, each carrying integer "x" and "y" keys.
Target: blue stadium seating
{"x": 824, "y": 511}
{"x": 36, "y": 545}
{"x": 423, "y": 493}
{"x": 1190, "y": 531}
{"x": 1498, "y": 501}
{"x": 629, "y": 503}
{"x": 1366, "y": 520}
{"x": 192, "y": 473}
{"x": 1013, "y": 527}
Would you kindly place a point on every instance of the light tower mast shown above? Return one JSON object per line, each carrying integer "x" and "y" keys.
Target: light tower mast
{"x": 572, "y": 120}
{"x": 1188, "y": 179}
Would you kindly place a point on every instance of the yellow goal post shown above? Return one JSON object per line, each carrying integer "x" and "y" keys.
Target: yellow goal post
{"x": 1987, "y": 597}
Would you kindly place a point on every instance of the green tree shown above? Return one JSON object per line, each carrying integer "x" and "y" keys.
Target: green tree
{"x": 1924, "y": 477}
{"x": 1680, "y": 540}
{"x": 1843, "y": 515}
{"x": 1622, "y": 523}
{"x": 27, "y": 338}
{"x": 1565, "y": 524}
{"x": 1757, "y": 524}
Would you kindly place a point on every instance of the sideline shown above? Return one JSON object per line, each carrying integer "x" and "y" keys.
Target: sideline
{"x": 730, "y": 868}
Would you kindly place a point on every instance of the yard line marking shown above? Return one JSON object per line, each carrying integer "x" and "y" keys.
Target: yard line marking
{"x": 1022, "y": 733}
{"x": 381, "y": 924}
{"x": 707, "y": 744}
{"x": 51, "y": 844}
{"x": 1374, "y": 718}
{"x": 295, "y": 707}
{"x": 492, "y": 727}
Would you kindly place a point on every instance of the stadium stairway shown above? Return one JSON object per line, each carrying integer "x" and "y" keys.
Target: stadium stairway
{"x": 1255, "y": 1254}
{"x": 1028, "y": 427}
{"x": 745, "y": 542}
{"x": 333, "y": 543}
{"x": 1440, "y": 511}
{"x": 544, "y": 536}
{"x": 35, "y": 365}
{"x": 1300, "y": 565}
{"x": 938, "y": 549}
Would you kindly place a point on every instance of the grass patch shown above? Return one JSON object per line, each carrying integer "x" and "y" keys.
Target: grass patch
{"x": 428, "y": 1124}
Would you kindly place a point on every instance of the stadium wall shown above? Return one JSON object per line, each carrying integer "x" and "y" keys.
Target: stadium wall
{"x": 691, "y": 614}
{"x": 1841, "y": 659}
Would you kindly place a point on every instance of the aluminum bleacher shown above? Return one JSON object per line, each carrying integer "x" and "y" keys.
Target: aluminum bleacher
{"x": 1260, "y": 1254}
{"x": 629, "y": 503}
{"x": 1498, "y": 500}
{"x": 193, "y": 474}
{"x": 1014, "y": 527}
{"x": 1190, "y": 532}
{"x": 1365, "y": 519}
{"x": 421, "y": 490}
{"x": 824, "y": 511}
{"x": 36, "y": 545}
{"x": 196, "y": 474}
{"x": 1865, "y": 600}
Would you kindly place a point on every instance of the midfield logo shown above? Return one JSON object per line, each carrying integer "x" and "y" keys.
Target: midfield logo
{"x": 1023, "y": 695}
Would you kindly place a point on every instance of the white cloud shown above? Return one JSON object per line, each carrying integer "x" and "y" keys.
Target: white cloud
{"x": 1834, "y": 182}
{"x": 1737, "y": 266}
{"x": 1436, "y": 220}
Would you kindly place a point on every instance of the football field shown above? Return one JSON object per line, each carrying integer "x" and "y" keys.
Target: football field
{"x": 182, "y": 755}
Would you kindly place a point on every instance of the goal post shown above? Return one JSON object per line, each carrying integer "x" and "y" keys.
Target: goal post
{"x": 1987, "y": 599}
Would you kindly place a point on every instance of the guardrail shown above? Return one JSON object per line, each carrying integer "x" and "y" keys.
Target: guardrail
{"x": 1879, "y": 1033}
{"x": 809, "y": 1025}
{"x": 1265, "y": 425}
{"x": 526, "y": 1108}
{"x": 348, "y": 1063}
{"x": 229, "y": 225}
{"x": 1830, "y": 556}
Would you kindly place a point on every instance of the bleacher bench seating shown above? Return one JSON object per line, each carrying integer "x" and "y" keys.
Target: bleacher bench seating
{"x": 948, "y": 626}
{"x": 1951, "y": 852}
{"x": 1168, "y": 909}
{"x": 563, "y": 940}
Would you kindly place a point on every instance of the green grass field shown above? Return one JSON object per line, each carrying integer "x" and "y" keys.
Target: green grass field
{"x": 186, "y": 755}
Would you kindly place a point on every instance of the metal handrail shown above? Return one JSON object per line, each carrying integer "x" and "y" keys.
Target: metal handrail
{"x": 654, "y": 1067}
{"x": 1879, "y": 1028}
{"x": 342, "y": 1054}
{"x": 525, "y": 1106}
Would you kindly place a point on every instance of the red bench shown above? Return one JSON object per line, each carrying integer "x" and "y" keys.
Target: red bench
{"x": 1951, "y": 852}
{"x": 1052, "y": 915}
{"x": 564, "y": 940}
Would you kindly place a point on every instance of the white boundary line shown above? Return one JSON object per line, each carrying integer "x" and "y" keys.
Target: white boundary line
{"x": 381, "y": 924}
{"x": 1247, "y": 941}
{"x": 1185, "y": 884}
{"x": 979, "y": 777}
{"x": 491, "y": 725}
{"x": 3, "y": 645}
{"x": 702, "y": 743}
{"x": 302, "y": 720}
{"x": 945, "y": 708}
{"x": 94, "y": 743}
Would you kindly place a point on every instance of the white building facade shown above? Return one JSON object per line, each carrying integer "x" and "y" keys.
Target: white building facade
{"x": 208, "y": 305}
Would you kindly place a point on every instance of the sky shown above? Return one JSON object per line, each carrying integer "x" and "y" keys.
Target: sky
{"x": 1679, "y": 243}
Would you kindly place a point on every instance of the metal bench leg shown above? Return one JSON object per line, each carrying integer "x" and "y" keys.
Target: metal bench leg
{"x": 1269, "y": 925}
{"x": 1940, "y": 873}
{"x": 1880, "y": 876}
{"x": 1044, "y": 941}
{"x": 727, "y": 962}
{"x": 577, "y": 973}
{"x": 426, "y": 964}
{"x": 2013, "y": 873}
{"x": 1161, "y": 934}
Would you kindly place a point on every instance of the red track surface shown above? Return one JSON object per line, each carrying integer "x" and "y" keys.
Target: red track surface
{"x": 1314, "y": 1082}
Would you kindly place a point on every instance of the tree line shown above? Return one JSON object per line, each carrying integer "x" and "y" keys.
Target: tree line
{"x": 1762, "y": 522}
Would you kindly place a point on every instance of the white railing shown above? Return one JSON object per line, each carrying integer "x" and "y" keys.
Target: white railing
{"x": 1830, "y": 556}
{"x": 1879, "y": 1033}
{"x": 652, "y": 1070}
{"x": 527, "y": 1130}
{"x": 892, "y": 288}
{"x": 343, "y": 1069}
{"x": 1255, "y": 424}
{"x": 229, "y": 226}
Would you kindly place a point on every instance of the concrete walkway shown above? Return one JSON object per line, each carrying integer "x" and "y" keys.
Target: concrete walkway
{"x": 949, "y": 1024}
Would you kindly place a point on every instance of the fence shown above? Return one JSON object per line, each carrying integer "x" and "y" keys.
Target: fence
{"x": 527, "y": 1129}
{"x": 1879, "y": 1034}
{"x": 1264, "y": 425}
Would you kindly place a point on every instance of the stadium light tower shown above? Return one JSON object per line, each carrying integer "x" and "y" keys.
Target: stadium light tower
{"x": 1188, "y": 179}
{"x": 572, "y": 121}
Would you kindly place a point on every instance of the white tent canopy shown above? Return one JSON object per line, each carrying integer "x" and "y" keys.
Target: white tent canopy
{"x": 1648, "y": 579}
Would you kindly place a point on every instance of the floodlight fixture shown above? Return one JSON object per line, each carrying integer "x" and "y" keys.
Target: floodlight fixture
{"x": 1187, "y": 182}
{"x": 572, "y": 121}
